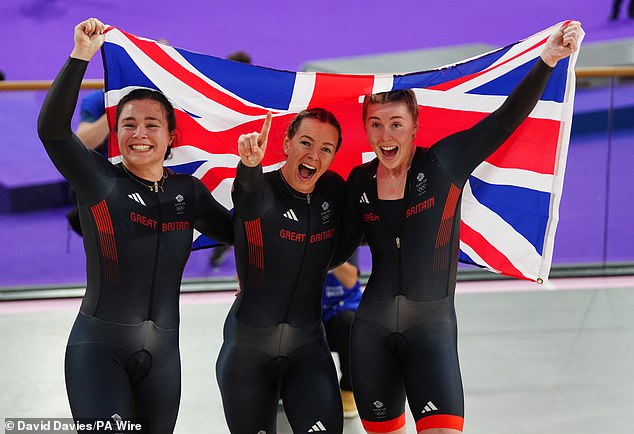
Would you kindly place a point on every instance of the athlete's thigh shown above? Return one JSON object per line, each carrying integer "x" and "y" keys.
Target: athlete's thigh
{"x": 310, "y": 392}
{"x": 157, "y": 394}
{"x": 249, "y": 395}
{"x": 96, "y": 383}
{"x": 377, "y": 377}
{"x": 432, "y": 376}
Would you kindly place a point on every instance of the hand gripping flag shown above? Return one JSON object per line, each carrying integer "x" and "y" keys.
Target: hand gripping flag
{"x": 510, "y": 203}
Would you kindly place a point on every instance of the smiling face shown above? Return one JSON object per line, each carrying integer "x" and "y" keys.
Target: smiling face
{"x": 143, "y": 134}
{"x": 309, "y": 153}
{"x": 391, "y": 129}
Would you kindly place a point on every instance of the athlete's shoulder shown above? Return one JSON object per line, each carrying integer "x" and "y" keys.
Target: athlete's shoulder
{"x": 331, "y": 179}
{"x": 367, "y": 169}
{"x": 362, "y": 174}
{"x": 180, "y": 176}
{"x": 183, "y": 180}
{"x": 274, "y": 175}
{"x": 420, "y": 155}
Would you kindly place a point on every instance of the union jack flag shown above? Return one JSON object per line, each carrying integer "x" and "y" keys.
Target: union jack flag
{"x": 510, "y": 204}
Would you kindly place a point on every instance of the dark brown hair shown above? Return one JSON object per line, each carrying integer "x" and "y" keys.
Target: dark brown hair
{"x": 320, "y": 114}
{"x": 153, "y": 95}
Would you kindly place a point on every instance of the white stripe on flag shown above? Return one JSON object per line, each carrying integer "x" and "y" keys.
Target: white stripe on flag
{"x": 481, "y": 103}
{"x": 491, "y": 174}
{"x": 519, "y": 251}
{"x": 210, "y": 114}
{"x": 475, "y": 257}
{"x": 382, "y": 83}
{"x": 302, "y": 91}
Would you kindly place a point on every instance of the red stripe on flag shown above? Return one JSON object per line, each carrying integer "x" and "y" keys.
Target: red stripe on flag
{"x": 533, "y": 145}
{"x": 458, "y": 81}
{"x": 491, "y": 255}
{"x": 158, "y": 55}
{"x": 214, "y": 176}
{"x": 334, "y": 88}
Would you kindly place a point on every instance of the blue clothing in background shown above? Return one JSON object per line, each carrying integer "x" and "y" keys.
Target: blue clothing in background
{"x": 336, "y": 298}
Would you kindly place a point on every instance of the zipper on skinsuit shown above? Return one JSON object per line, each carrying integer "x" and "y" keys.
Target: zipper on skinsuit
{"x": 400, "y": 264}
{"x": 156, "y": 251}
{"x": 301, "y": 264}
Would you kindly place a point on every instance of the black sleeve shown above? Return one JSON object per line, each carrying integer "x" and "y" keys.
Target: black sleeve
{"x": 212, "y": 219}
{"x": 89, "y": 173}
{"x": 462, "y": 152}
{"x": 248, "y": 191}
{"x": 521, "y": 102}
{"x": 351, "y": 227}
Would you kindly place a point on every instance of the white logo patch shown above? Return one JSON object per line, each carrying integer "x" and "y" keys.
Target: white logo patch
{"x": 318, "y": 427}
{"x": 290, "y": 214}
{"x": 137, "y": 198}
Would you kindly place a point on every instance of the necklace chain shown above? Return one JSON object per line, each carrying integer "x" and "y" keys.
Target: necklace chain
{"x": 292, "y": 191}
{"x": 155, "y": 187}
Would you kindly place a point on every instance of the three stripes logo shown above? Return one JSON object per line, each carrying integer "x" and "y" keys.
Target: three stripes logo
{"x": 429, "y": 407}
{"x": 364, "y": 198}
{"x": 137, "y": 198}
{"x": 318, "y": 427}
{"x": 290, "y": 214}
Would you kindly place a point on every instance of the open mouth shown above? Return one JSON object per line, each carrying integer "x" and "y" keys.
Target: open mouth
{"x": 389, "y": 151}
{"x": 305, "y": 171}
{"x": 140, "y": 148}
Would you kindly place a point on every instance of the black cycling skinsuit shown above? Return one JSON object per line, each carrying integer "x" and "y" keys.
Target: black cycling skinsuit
{"x": 122, "y": 356}
{"x": 274, "y": 342}
{"x": 404, "y": 338}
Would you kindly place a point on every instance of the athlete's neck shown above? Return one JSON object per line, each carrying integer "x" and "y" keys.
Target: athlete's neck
{"x": 153, "y": 173}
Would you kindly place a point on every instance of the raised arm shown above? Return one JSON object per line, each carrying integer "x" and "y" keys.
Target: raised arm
{"x": 561, "y": 44}
{"x": 249, "y": 182}
{"x": 76, "y": 163}
{"x": 60, "y": 102}
{"x": 462, "y": 152}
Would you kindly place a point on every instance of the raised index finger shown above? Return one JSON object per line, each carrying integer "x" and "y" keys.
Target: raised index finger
{"x": 264, "y": 134}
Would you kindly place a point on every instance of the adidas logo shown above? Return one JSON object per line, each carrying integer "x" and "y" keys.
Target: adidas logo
{"x": 364, "y": 198}
{"x": 429, "y": 407}
{"x": 318, "y": 427}
{"x": 290, "y": 214}
{"x": 137, "y": 198}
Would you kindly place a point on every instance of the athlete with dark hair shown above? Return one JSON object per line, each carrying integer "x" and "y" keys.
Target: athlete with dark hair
{"x": 285, "y": 224}
{"x": 407, "y": 204}
{"x": 122, "y": 358}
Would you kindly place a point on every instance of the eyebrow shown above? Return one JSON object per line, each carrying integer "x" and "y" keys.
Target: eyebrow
{"x": 391, "y": 117}
{"x": 147, "y": 118}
